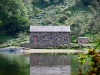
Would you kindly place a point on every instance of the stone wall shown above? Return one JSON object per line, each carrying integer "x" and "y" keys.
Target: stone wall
{"x": 46, "y": 39}
{"x": 83, "y": 40}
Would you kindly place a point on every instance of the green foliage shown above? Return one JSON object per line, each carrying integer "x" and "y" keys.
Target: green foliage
{"x": 36, "y": 10}
{"x": 82, "y": 15}
{"x": 98, "y": 44}
{"x": 13, "y": 16}
{"x": 79, "y": 26}
{"x": 68, "y": 13}
{"x": 15, "y": 24}
{"x": 4, "y": 38}
{"x": 45, "y": 3}
{"x": 95, "y": 28}
{"x": 91, "y": 9}
{"x": 86, "y": 2}
{"x": 62, "y": 19}
{"x": 7, "y": 41}
{"x": 47, "y": 22}
{"x": 93, "y": 58}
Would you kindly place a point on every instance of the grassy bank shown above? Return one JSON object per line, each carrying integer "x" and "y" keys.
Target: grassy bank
{"x": 7, "y": 41}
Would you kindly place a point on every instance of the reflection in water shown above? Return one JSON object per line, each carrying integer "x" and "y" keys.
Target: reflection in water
{"x": 14, "y": 64}
{"x": 50, "y": 64}
{"x": 50, "y": 70}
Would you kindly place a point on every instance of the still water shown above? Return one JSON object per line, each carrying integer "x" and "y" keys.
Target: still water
{"x": 50, "y": 70}
{"x": 13, "y": 63}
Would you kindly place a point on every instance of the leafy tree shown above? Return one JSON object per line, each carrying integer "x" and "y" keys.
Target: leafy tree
{"x": 95, "y": 25}
{"x": 63, "y": 18}
{"x": 40, "y": 3}
{"x": 94, "y": 3}
{"x": 86, "y": 2}
{"x": 45, "y": 3}
{"x": 78, "y": 28}
{"x": 15, "y": 24}
{"x": 0, "y": 23}
{"x": 13, "y": 16}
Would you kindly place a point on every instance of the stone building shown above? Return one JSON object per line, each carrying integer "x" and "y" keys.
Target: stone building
{"x": 82, "y": 40}
{"x": 48, "y": 36}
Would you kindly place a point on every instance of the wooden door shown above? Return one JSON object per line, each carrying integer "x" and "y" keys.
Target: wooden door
{"x": 35, "y": 39}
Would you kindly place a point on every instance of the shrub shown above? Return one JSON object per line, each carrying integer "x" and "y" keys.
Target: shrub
{"x": 68, "y": 13}
{"x": 93, "y": 58}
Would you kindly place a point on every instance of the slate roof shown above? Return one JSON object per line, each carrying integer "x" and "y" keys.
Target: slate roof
{"x": 83, "y": 37}
{"x": 50, "y": 29}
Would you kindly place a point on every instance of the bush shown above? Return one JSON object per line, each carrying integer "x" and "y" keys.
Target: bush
{"x": 68, "y": 13}
{"x": 93, "y": 58}
{"x": 9, "y": 41}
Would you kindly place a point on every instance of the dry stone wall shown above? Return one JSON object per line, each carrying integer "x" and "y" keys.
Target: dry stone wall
{"x": 50, "y": 38}
{"x": 47, "y": 39}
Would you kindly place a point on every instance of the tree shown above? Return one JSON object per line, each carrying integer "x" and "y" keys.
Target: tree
{"x": 94, "y": 3}
{"x": 78, "y": 28}
{"x": 13, "y": 16}
{"x": 45, "y": 3}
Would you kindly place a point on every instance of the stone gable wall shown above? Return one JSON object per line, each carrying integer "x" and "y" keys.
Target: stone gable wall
{"x": 49, "y": 39}
{"x": 83, "y": 40}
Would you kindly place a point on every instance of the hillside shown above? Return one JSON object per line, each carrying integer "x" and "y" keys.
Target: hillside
{"x": 82, "y": 15}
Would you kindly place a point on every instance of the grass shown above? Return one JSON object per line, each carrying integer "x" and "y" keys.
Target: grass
{"x": 4, "y": 38}
{"x": 6, "y": 41}
{"x": 11, "y": 64}
{"x": 72, "y": 46}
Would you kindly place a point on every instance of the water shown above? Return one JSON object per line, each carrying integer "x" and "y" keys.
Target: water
{"x": 45, "y": 64}
{"x": 49, "y": 64}
{"x": 14, "y": 64}
{"x": 50, "y": 70}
